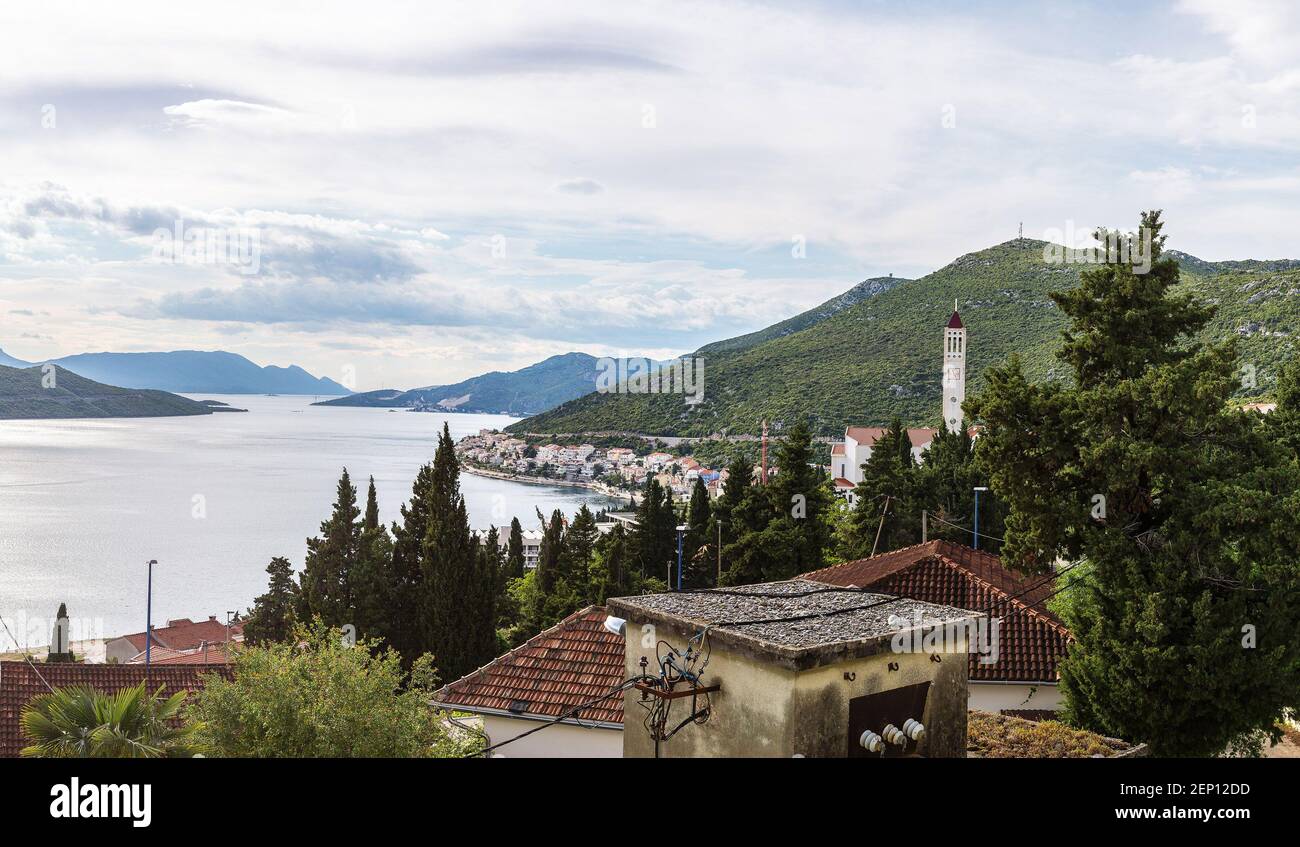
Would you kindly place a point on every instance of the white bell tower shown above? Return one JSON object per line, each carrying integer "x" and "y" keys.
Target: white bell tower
{"x": 954, "y": 371}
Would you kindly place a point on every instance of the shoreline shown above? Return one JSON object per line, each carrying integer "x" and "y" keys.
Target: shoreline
{"x": 598, "y": 487}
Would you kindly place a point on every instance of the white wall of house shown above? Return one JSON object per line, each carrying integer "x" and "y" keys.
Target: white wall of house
{"x": 558, "y": 741}
{"x": 995, "y": 696}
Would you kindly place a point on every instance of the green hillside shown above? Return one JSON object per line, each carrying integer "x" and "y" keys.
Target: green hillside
{"x": 22, "y": 395}
{"x": 864, "y": 290}
{"x": 881, "y": 357}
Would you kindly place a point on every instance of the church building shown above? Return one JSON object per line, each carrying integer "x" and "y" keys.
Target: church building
{"x": 847, "y": 458}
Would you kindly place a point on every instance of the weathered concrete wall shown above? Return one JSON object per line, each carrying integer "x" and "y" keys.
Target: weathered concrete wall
{"x": 765, "y": 710}
{"x": 558, "y": 741}
{"x": 994, "y": 697}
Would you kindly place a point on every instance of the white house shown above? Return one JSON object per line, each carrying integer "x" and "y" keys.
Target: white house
{"x": 555, "y": 671}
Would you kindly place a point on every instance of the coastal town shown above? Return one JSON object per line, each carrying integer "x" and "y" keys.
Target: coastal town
{"x": 617, "y": 471}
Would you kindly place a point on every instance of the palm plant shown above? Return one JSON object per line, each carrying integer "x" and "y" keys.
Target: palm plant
{"x": 80, "y": 722}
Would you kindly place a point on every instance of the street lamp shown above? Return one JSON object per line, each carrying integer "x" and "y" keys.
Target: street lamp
{"x": 148, "y": 619}
{"x": 978, "y": 489}
{"x": 681, "y": 533}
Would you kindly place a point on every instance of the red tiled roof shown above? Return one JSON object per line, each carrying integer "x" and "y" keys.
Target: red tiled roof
{"x": 1032, "y": 640}
{"x": 867, "y": 435}
{"x": 216, "y": 655}
{"x": 575, "y": 661}
{"x": 19, "y": 684}
{"x": 185, "y": 634}
{"x": 841, "y": 482}
{"x": 837, "y": 449}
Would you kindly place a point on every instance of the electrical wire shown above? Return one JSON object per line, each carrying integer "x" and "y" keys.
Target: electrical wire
{"x": 623, "y": 686}
{"x": 26, "y": 655}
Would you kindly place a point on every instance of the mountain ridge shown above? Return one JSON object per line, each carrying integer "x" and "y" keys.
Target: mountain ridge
{"x": 190, "y": 371}
{"x": 882, "y": 356}
{"x": 529, "y": 390}
{"x": 54, "y": 392}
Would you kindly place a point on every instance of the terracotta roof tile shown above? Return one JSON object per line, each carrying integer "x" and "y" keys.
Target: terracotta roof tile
{"x": 19, "y": 684}
{"x": 184, "y": 634}
{"x": 569, "y": 664}
{"x": 1032, "y": 640}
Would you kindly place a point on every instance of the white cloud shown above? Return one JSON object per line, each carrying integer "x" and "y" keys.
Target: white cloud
{"x": 641, "y": 172}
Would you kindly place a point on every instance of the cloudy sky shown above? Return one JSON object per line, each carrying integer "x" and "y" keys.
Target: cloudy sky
{"x": 436, "y": 190}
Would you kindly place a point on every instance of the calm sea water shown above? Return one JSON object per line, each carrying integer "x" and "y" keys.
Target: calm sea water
{"x": 84, "y": 504}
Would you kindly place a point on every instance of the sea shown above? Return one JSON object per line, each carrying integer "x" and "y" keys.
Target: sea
{"x": 85, "y": 504}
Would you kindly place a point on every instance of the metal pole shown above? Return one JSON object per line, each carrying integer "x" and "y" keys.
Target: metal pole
{"x": 679, "y": 558}
{"x": 148, "y": 619}
{"x": 978, "y": 489}
{"x": 925, "y": 525}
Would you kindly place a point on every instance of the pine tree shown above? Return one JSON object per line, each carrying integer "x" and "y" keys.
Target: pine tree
{"x": 1185, "y": 609}
{"x": 273, "y": 615}
{"x": 801, "y": 500}
{"x": 331, "y": 556}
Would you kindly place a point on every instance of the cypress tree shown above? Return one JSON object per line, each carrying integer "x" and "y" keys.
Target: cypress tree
{"x": 372, "y": 578}
{"x": 515, "y": 551}
{"x": 453, "y": 611}
{"x": 406, "y": 572}
{"x": 1186, "y": 603}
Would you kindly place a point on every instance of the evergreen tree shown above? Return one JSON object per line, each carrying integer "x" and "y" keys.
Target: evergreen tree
{"x": 1185, "y": 612}
{"x": 372, "y": 578}
{"x": 655, "y": 536}
{"x": 887, "y": 498}
{"x": 273, "y": 615}
{"x": 579, "y": 549}
{"x": 406, "y": 572}
{"x": 783, "y": 528}
{"x": 515, "y": 551}
{"x": 700, "y": 570}
{"x": 610, "y": 573}
{"x": 331, "y": 556}
{"x": 459, "y": 622}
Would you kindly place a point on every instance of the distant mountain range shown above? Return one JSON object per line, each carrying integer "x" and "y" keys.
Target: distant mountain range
{"x": 191, "y": 372}
{"x": 38, "y": 392}
{"x": 878, "y": 356}
{"x": 529, "y": 391}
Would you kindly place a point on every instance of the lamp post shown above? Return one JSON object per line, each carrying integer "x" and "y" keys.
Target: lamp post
{"x": 681, "y": 533}
{"x": 978, "y": 489}
{"x": 148, "y": 618}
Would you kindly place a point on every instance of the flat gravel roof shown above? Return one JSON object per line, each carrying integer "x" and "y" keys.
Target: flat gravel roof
{"x": 820, "y": 615}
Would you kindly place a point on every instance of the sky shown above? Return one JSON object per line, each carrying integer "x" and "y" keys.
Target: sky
{"x": 404, "y": 194}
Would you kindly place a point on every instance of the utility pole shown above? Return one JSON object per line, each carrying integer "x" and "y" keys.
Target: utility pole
{"x": 925, "y": 525}
{"x": 883, "y": 512}
{"x": 978, "y": 489}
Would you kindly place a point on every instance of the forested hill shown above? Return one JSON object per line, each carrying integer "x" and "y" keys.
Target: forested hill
{"x": 32, "y": 393}
{"x": 881, "y": 356}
